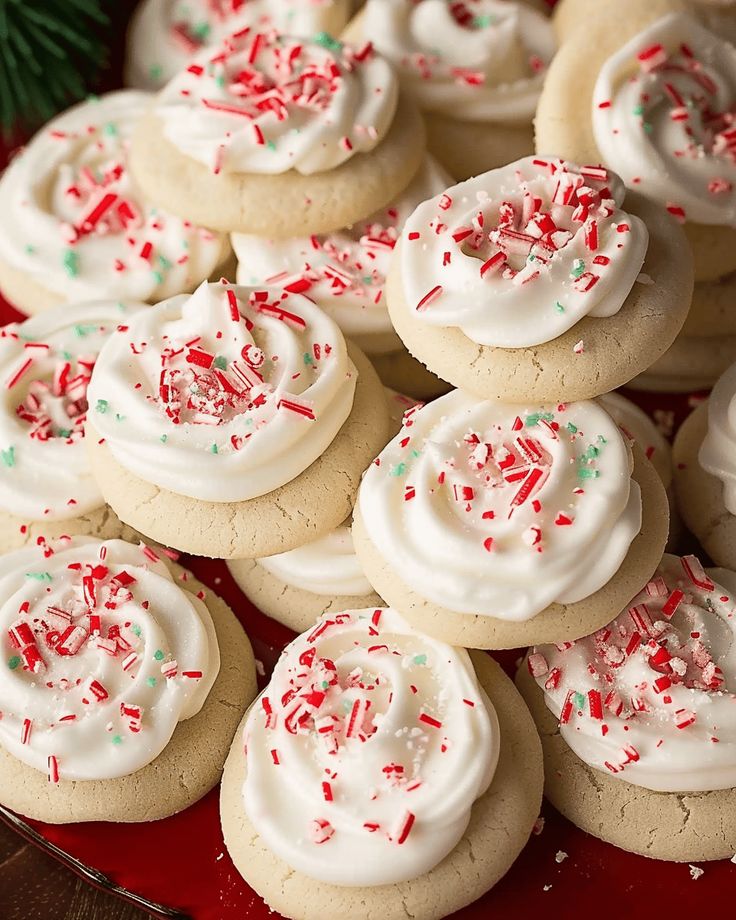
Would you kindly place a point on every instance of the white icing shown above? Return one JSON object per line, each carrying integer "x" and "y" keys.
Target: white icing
{"x": 638, "y": 427}
{"x": 717, "y": 453}
{"x": 166, "y": 34}
{"x": 266, "y": 103}
{"x": 517, "y": 256}
{"x": 476, "y": 60}
{"x": 45, "y": 366}
{"x": 664, "y": 123}
{"x": 502, "y": 510}
{"x": 75, "y": 167}
{"x": 271, "y": 401}
{"x": 402, "y": 789}
{"x": 166, "y": 638}
{"x": 343, "y": 272}
{"x": 650, "y": 699}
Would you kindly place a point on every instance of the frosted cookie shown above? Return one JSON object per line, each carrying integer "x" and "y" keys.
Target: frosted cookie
{"x": 122, "y": 682}
{"x": 279, "y": 136}
{"x": 705, "y": 474}
{"x": 165, "y": 35}
{"x": 690, "y": 364}
{"x": 46, "y": 484}
{"x": 474, "y": 68}
{"x": 538, "y": 281}
{"x": 296, "y": 587}
{"x": 378, "y": 767}
{"x": 653, "y": 101}
{"x": 491, "y": 525}
{"x": 638, "y": 720}
{"x": 76, "y": 225}
{"x": 234, "y": 422}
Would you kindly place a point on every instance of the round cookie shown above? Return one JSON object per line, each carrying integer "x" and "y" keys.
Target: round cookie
{"x": 691, "y": 363}
{"x": 166, "y": 480}
{"x": 79, "y": 227}
{"x": 296, "y": 588}
{"x": 500, "y": 823}
{"x": 573, "y": 100}
{"x": 438, "y": 563}
{"x": 700, "y": 494}
{"x": 475, "y": 70}
{"x": 206, "y": 148}
{"x": 185, "y": 770}
{"x": 680, "y": 810}
{"x": 46, "y": 486}
{"x": 562, "y": 340}
{"x": 164, "y": 35}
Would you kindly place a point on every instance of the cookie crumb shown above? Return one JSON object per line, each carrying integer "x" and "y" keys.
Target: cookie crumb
{"x": 539, "y": 827}
{"x": 560, "y": 856}
{"x": 578, "y": 347}
{"x": 546, "y": 887}
{"x": 696, "y": 872}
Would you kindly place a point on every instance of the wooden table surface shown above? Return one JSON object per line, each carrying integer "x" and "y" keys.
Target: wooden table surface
{"x": 34, "y": 886}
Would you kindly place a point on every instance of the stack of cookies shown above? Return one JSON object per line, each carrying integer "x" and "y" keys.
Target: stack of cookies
{"x": 394, "y": 419}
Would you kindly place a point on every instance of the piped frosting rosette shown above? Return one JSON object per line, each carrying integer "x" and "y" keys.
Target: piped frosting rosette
{"x": 266, "y": 103}
{"x": 367, "y": 750}
{"x": 166, "y": 34}
{"x": 104, "y": 654}
{"x": 76, "y": 223}
{"x": 650, "y": 698}
{"x": 223, "y": 395}
{"x": 501, "y": 510}
{"x": 663, "y": 112}
{"x": 45, "y": 366}
{"x": 519, "y": 255}
{"x": 476, "y": 60}
{"x": 343, "y": 272}
{"x": 717, "y": 453}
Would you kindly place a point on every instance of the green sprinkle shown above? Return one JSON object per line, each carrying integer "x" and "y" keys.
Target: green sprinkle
{"x": 482, "y": 22}
{"x": 117, "y": 739}
{"x": 578, "y": 268}
{"x": 119, "y": 417}
{"x": 573, "y": 429}
{"x": 419, "y": 659}
{"x": 155, "y": 71}
{"x": 220, "y": 362}
{"x": 30, "y": 249}
{"x": 601, "y": 439}
{"x": 327, "y": 41}
{"x": 70, "y": 261}
{"x": 586, "y": 473}
{"x": 164, "y": 262}
{"x": 638, "y": 110}
{"x": 536, "y": 417}
{"x": 136, "y": 629}
{"x": 398, "y": 470}
{"x": 647, "y": 127}
{"x": 271, "y": 145}
{"x": 579, "y": 700}
{"x": 111, "y": 129}
{"x": 220, "y": 80}
{"x": 82, "y": 329}
{"x": 13, "y": 662}
{"x": 101, "y": 406}
{"x": 158, "y": 655}
{"x": 164, "y": 438}
{"x": 416, "y": 453}
{"x": 157, "y": 277}
{"x": 213, "y": 449}
{"x": 559, "y": 308}
{"x": 591, "y": 453}
{"x": 8, "y": 457}
{"x": 308, "y": 359}
{"x": 151, "y": 681}
{"x": 64, "y": 433}
{"x": 67, "y": 355}
{"x": 325, "y": 684}
{"x": 202, "y": 30}
{"x": 39, "y": 576}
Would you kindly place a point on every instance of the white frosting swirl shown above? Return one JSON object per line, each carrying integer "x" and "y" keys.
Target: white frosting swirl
{"x": 103, "y": 655}
{"x": 343, "y": 272}
{"x": 325, "y": 566}
{"x": 502, "y": 510}
{"x": 76, "y": 223}
{"x": 475, "y": 60}
{"x": 223, "y": 395}
{"x": 639, "y": 427}
{"x": 717, "y": 453}
{"x": 45, "y": 368}
{"x": 517, "y": 256}
{"x": 166, "y": 34}
{"x": 663, "y": 112}
{"x": 651, "y": 698}
{"x": 367, "y": 750}
{"x": 266, "y": 103}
